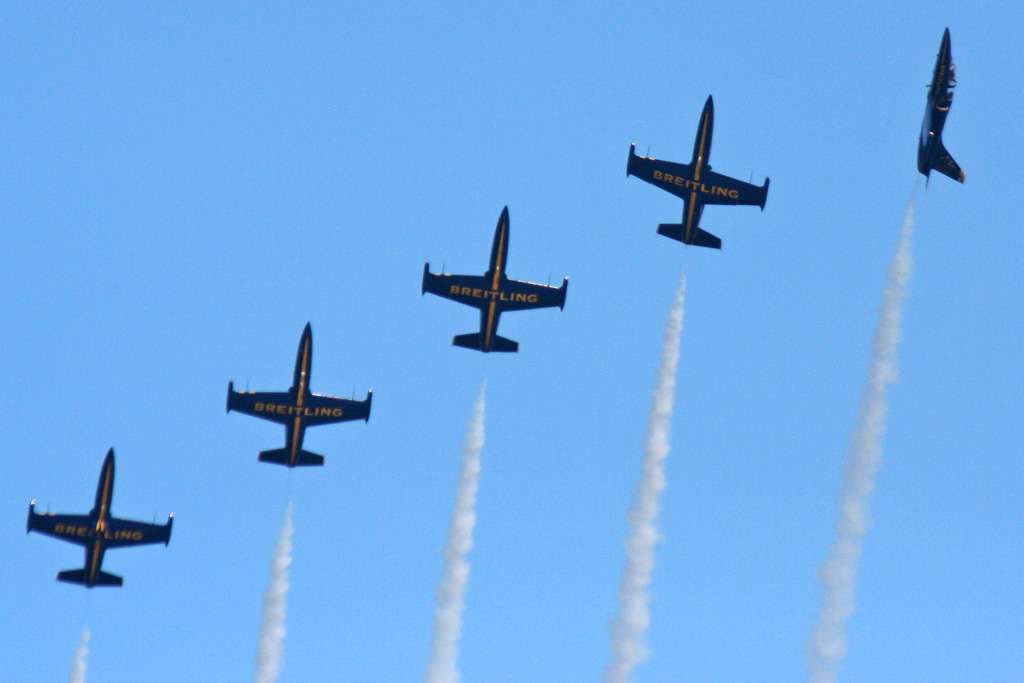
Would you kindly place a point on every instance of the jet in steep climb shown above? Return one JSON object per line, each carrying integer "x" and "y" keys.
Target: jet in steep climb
{"x": 297, "y": 409}
{"x": 931, "y": 153}
{"x": 493, "y": 293}
{"x": 696, "y": 184}
{"x": 98, "y": 531}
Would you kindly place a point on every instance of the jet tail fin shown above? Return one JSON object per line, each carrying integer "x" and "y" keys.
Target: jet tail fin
{"x": 946, "y": 164}
{"x": 474, "y": 341}
{"x": 283, "y": 456}
{"x": 700, "y": 237}
{"x": 78, "y": 576}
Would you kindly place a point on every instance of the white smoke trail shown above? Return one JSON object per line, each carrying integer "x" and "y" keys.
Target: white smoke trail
{"x": 451, "y": 594}
{"x": 827, "y": 645}
{"x": 271, "y": 650}
{"x": 628, "y": 640}
{"x": 78, "y": 665}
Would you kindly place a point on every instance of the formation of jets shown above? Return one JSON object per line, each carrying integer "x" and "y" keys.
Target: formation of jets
{"x": 493, "y": 293}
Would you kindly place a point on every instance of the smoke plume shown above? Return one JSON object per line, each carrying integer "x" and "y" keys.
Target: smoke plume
{"x": 628, "y": 638}
{"x": 838, "y": 575}
{"x": 271, "y": 650}
{"x": 78, "y": 665}
{"x": 451, "y": 594}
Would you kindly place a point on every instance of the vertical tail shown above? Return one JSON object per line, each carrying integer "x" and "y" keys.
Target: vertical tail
{"x": 946, "y": 164}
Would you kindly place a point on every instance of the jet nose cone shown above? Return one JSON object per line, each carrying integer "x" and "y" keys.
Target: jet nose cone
{"x": 502, "y": 225}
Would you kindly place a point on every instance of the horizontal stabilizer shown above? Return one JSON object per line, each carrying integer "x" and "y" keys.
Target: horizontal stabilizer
{"x": 78, "y": 576}
{"x": 503, "y": 344}
{"x": 671, "y": 230}
{"x": 283, "y": 456}
{"x": 705, "y": 239}
{"x": 473, "y": 341}
{"x": 700, "y": 237}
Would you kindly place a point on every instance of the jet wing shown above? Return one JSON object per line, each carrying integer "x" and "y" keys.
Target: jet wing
{"x": 466, "y": 289}
{"x": 124, "y": 532}
{"x": 667, "y": 175}
{"x": 269, "y": 405}
{"x": 721, "y": 189}
{"x": 71, "y": 528}
{"x": 519, "y": 296}
{"x": 321, "y": 409}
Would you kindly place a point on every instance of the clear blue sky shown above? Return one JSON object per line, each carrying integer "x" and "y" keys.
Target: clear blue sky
{"x": 183, "y": 188}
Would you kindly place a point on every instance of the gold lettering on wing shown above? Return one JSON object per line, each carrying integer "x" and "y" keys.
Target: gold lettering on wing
{"x": 494, "y": 295}
{"x": 696, "y": 186}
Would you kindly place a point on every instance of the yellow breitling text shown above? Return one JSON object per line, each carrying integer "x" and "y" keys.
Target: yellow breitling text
{"x": 83, "y": 531}
{"x": 300, "y": 411}
{"x": 493, "y": 294}
{"x": 696, "y": 185}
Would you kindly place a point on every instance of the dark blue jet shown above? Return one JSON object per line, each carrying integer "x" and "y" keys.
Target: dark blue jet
{"x": 97, "y": 531}
{"x": 493, "y": 293}
{"x": 696, "y": 184}
{"x": 297, "y": 409}
{"x": 931, "y": 154}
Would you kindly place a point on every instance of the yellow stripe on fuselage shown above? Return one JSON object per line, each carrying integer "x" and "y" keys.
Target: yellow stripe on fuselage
{"x": 700, "y": 149}
{"x": 105, "y": 494}
{"x": 691, "y": 207}
{"x": 490, "y": 324}
{"x": 97, "y": 550}
{"x": 698, "y": 166}
{"x": 101, "y": 521}
{"x": 499, "y": 265}
{"x": 300, "y": 399}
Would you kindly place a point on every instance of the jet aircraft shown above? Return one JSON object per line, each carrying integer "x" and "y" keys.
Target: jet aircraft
{"x": 493, "y": 293}
{"x": 297, "y": 409}
{"x": 931, "y": 153}
{"x": 98, "y": 531}
{"x": 696, "y": 184}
